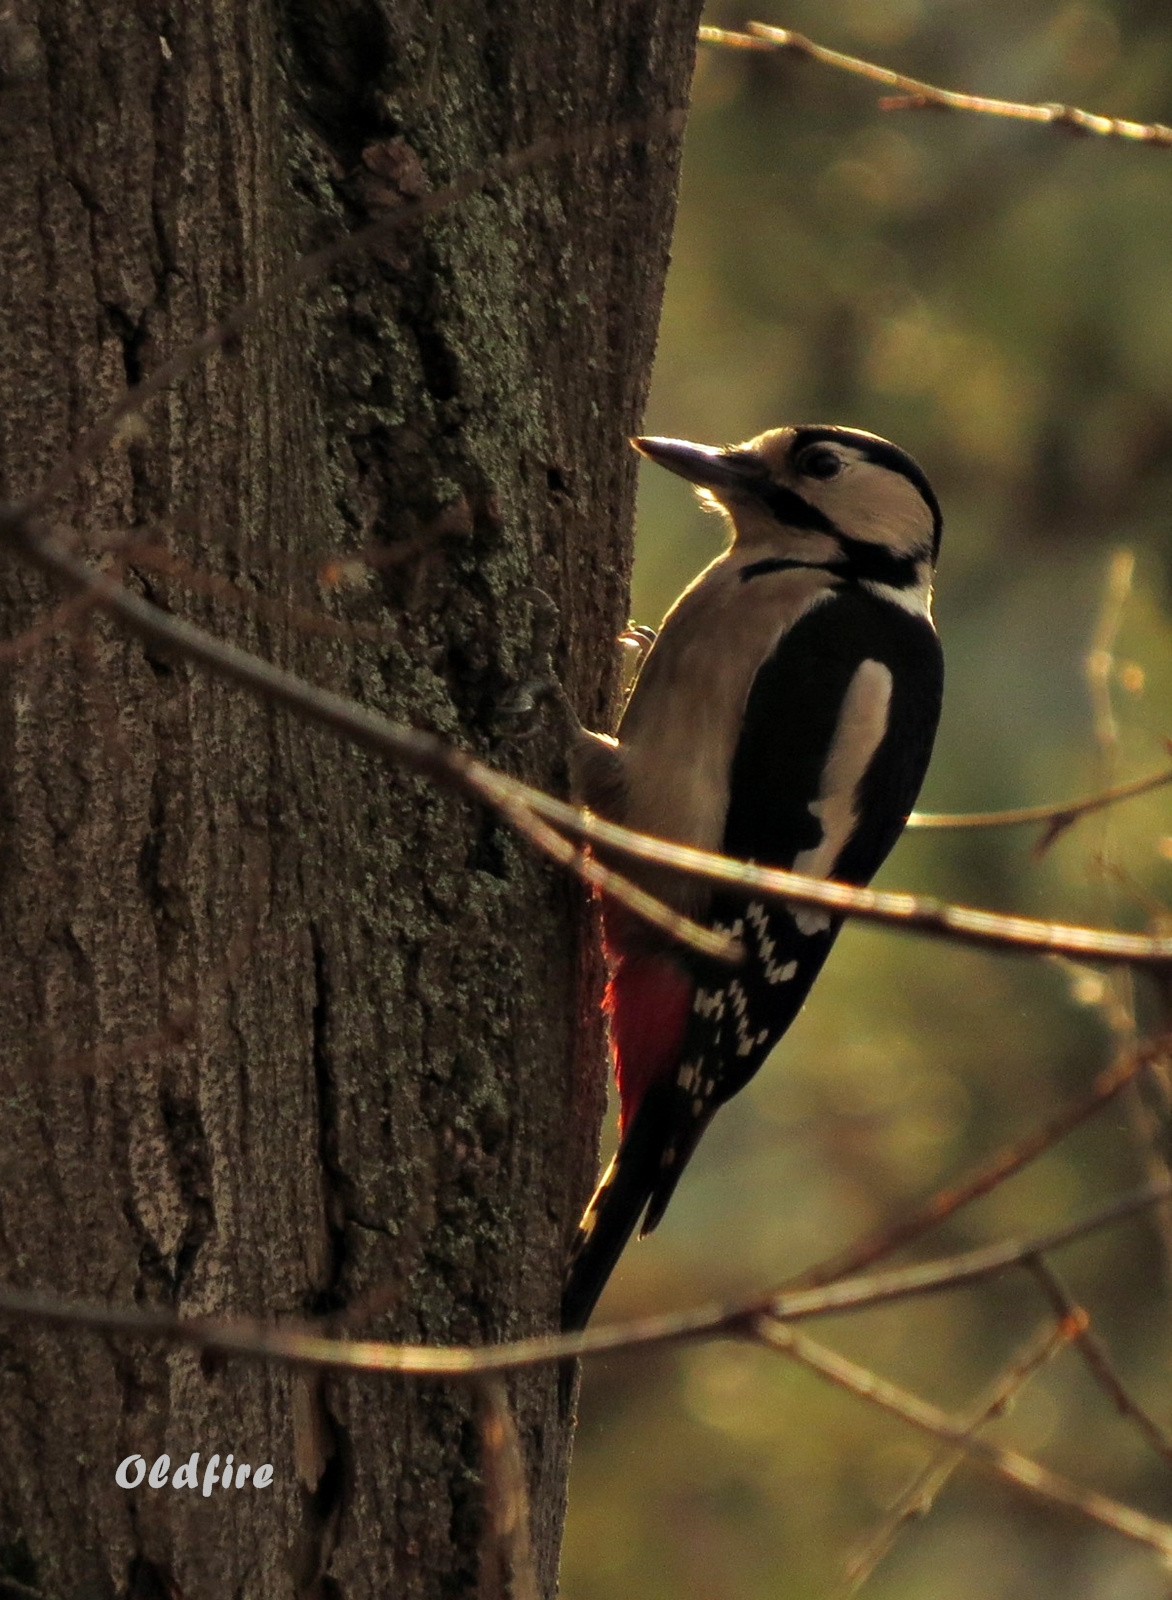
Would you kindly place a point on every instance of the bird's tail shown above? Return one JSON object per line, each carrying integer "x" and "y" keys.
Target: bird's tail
{"x": 612, "y": 1215}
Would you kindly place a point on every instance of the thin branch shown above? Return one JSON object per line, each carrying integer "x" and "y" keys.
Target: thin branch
{"x": 296, "y": 1346}
{"x": 1098, "y": 1359}
{"x": 65, "y": 617}
{"x": 1099, "y": 668}
{"x": 312, "y": 267}
{"x": 1017, "y": 1469}
{"x": 1148, "y": 1117}
{"x": 1056, "y": 817}
{"x": 305, "y": 1346}
{"x": 952, "y": 1272}
{"x": 272, "y": 608}
{"x": 946, "y": 1202}
{"x": 915, "y": 95}
{"x": 917, "y": 1499}
{"x": 991, "y": 930}
{"x": 424, "y": 752}
{"x": 454, "y": 769}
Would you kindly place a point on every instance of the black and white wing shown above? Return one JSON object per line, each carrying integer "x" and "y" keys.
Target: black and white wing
{"x": 837, "y": 733}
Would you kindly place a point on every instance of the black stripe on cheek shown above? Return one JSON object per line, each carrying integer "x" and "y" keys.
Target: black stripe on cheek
{"x": 789, "y": 507}
{"x": 897, "y": 460}
{"x": 875, "y": 563}
{"x": 882, "y": 454}
{"x": 758, "y": 569}
{"x": 860, "y": 562}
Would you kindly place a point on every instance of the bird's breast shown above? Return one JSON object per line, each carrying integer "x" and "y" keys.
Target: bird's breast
{"x": 711, "y": 645}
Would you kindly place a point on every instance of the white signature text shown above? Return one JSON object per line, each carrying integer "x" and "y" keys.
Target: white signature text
{"x": 133, "y": 1470}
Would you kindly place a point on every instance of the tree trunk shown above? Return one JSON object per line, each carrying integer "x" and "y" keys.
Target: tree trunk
{"x": 283, "y": 1030}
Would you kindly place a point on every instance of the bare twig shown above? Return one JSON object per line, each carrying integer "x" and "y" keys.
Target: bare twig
{"x": 558, "y": 848}
{"x": 424, "y": 752}
{"x": 952, "y": 1272}
{"x": 1017, "y": 1469}
{"x": 1148, "y": 1101}
{"x": 308, "y": 621}
{"x": 915, "y": 95}
{"x": 1099, "y": 668}
{"x": 1056, "y": 817}
{"x": 990, "y": 930}
{"x": 894, "y": 1236}
{"x": 1100, "y": 663}
{"x": 1099, "y": 1363}
{"x": 917, "y": 1499}
{"x": 306, "y": 1346}
{"x": 64, "y": 617}
{"x": 429, "y": 755}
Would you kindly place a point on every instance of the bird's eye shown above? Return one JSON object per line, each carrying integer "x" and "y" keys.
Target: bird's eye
{"x": 818, "y": 461}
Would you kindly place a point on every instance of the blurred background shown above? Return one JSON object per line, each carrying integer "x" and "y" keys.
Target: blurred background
{"x": 997, "y": 298}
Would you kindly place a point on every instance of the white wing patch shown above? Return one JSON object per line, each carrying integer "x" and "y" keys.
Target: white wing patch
{"x": 862, "y": 722}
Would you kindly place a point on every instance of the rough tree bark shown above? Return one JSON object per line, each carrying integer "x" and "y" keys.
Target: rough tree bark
{"x": 281, "y": 1029}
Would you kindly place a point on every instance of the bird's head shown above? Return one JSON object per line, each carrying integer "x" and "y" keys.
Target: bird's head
{"x": 820, "y": 496}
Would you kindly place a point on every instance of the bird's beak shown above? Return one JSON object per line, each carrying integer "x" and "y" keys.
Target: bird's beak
{"x": 722, "y": 471}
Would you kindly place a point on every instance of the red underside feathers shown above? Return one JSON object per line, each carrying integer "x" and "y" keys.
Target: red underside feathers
{"x": 648, "y": 1000}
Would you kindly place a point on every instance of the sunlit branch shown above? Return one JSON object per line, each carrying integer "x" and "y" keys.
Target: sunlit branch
{"x": 429, "y": 755}
{"x": 911, "y": 913}
{"x": 946, "y": 1202}
{"x": 423, "y": 752}
{"x": 1099, "y": 1363}
{"x": 558, "y": 848}
{"x": 300, "y": 1346}
{"x": 1018, "y": 1469}
{"x": 1148, "y": 1103}
{"x": 915, "y": 95}
{"x": 1100, "y": 661}
{"x": 953, "y": 1272}
{"x": 305, "y": 1346}
{"x": 1056, "y": 817}
{"x": 917, "y": 1499}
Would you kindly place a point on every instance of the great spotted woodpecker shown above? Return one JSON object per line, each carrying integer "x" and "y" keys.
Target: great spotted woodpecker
{"x": 785, "y": 715}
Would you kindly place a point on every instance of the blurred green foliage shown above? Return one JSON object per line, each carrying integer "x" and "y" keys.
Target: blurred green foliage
{"x": 997, "y": 298}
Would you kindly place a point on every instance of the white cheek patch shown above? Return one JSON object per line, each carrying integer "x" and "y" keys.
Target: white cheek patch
{"x": 862, "y": 723}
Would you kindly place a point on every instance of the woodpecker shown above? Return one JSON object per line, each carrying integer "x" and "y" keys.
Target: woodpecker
{"x": 784, "y": 714}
